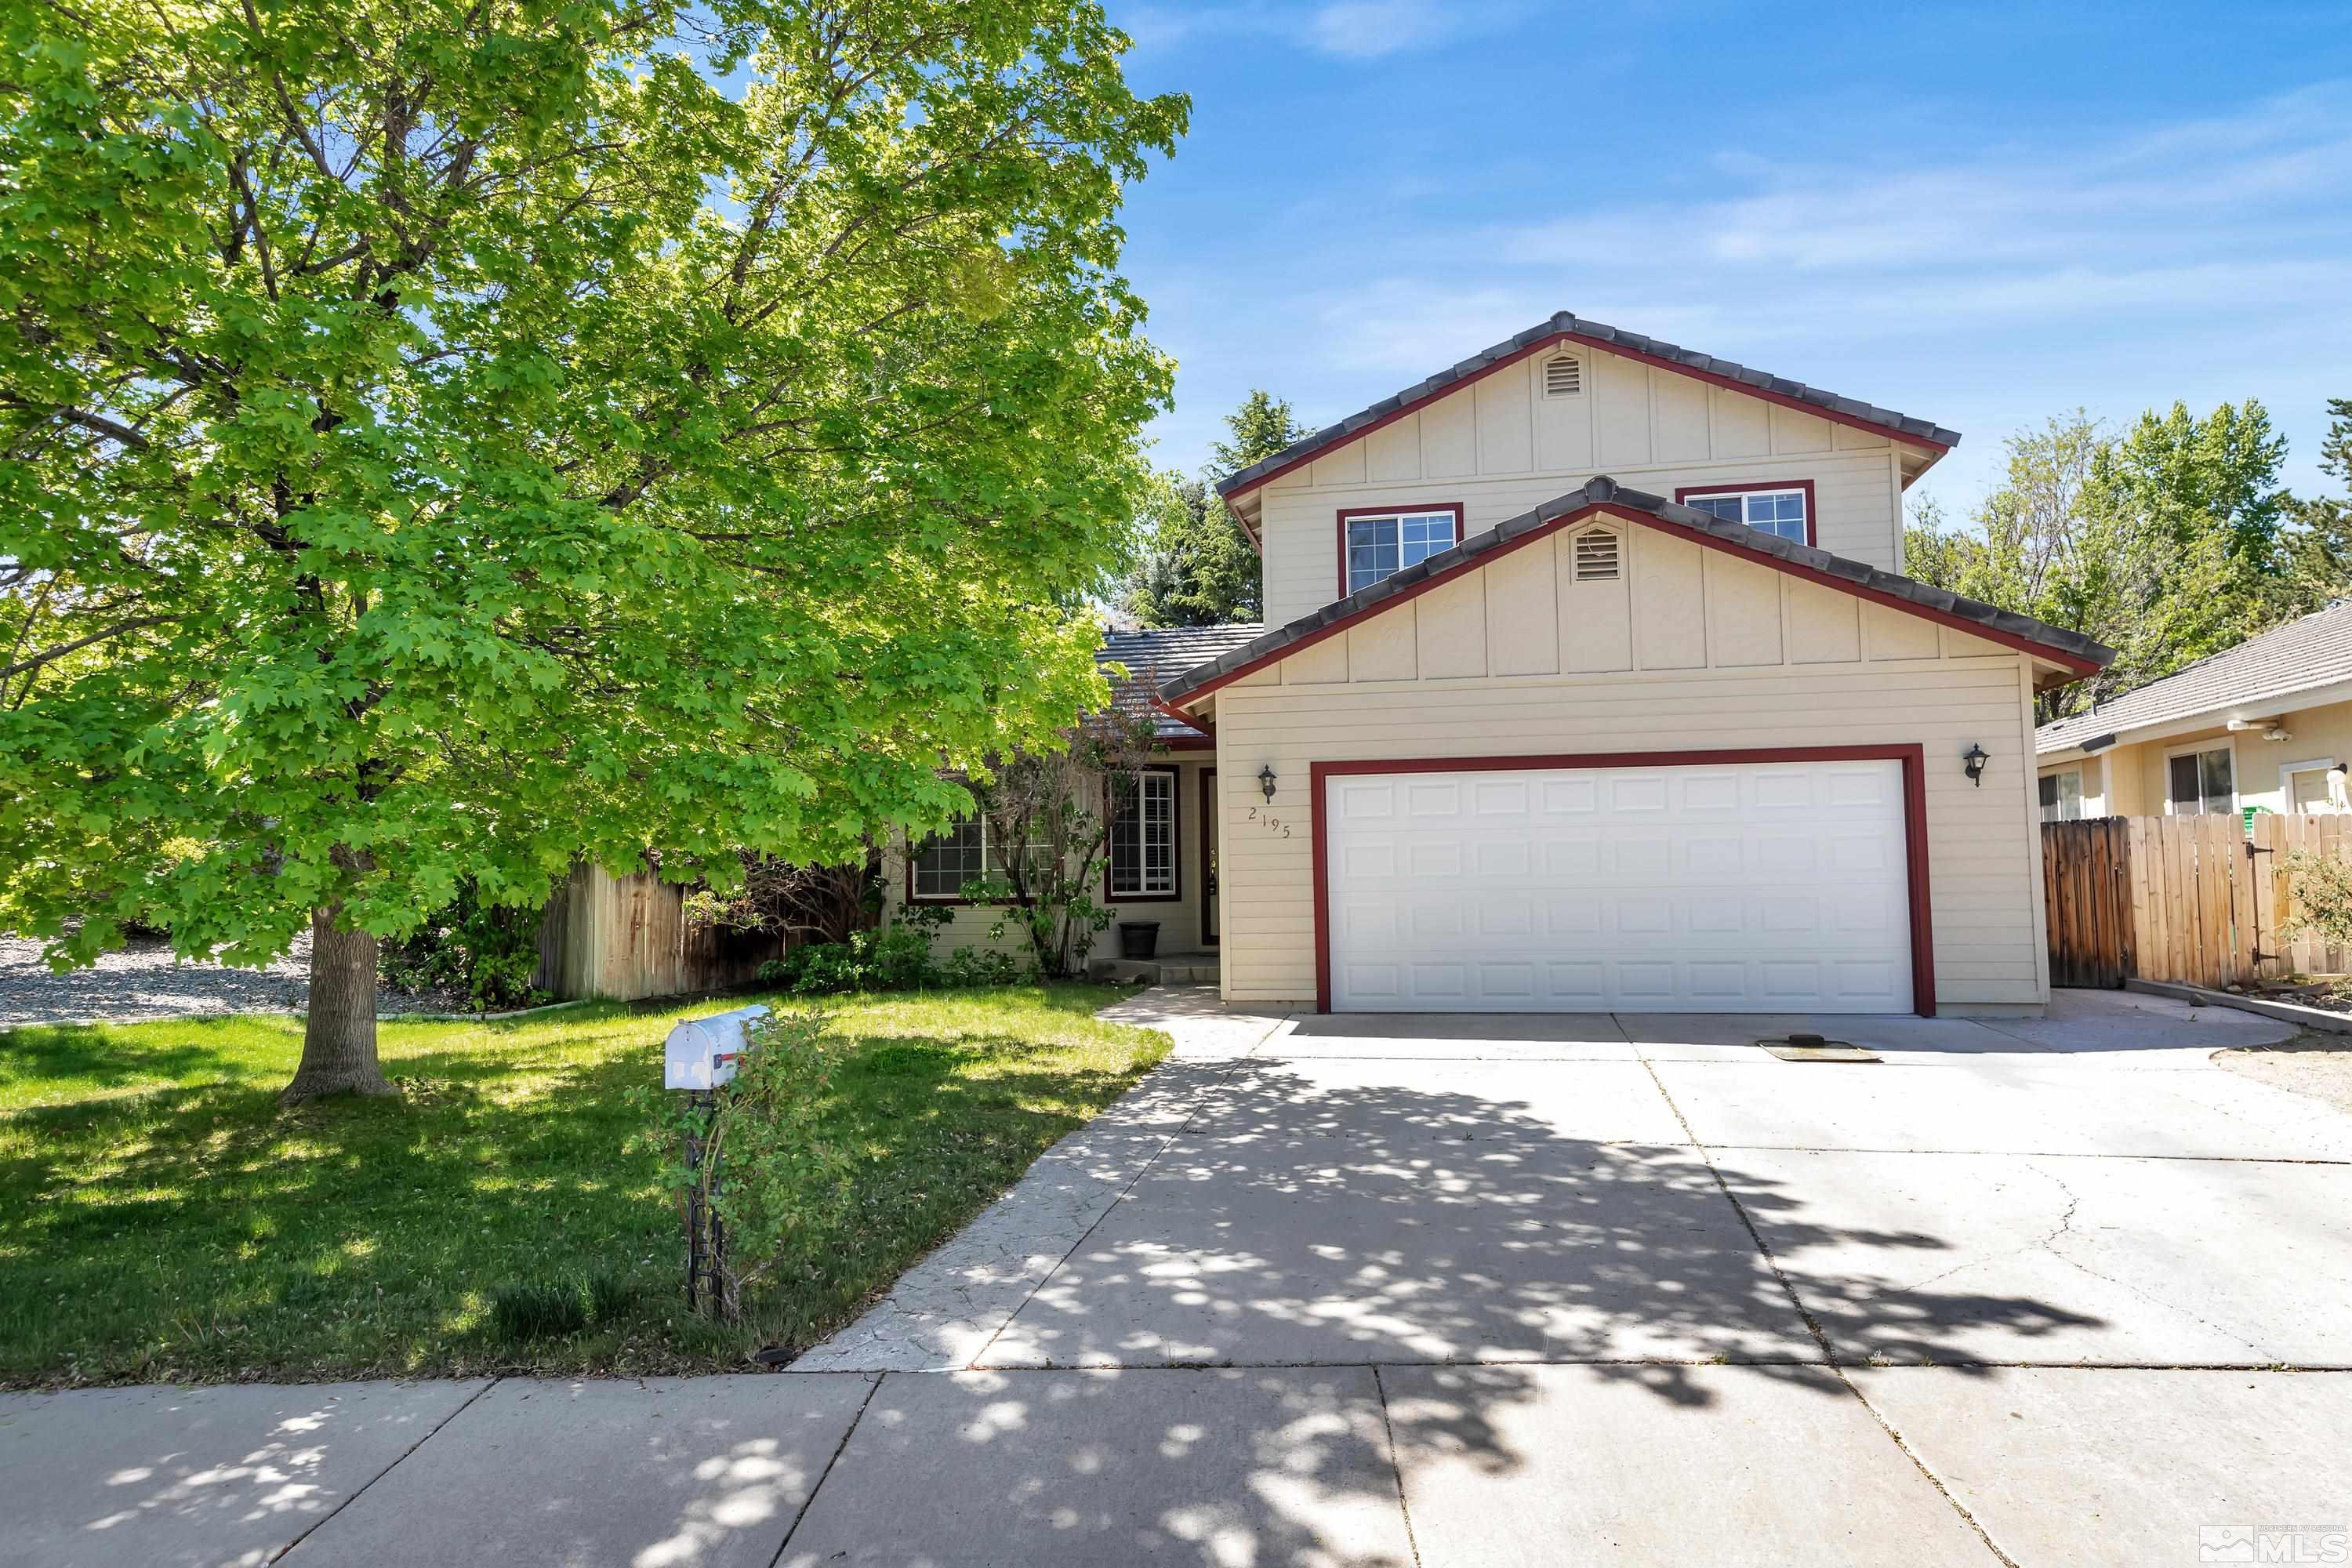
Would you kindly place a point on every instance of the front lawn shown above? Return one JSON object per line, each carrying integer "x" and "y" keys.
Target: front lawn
{"x": 161, "y": 1218}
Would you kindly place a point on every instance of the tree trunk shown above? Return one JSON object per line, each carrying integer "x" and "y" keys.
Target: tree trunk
{"x": 339, "y": 1040}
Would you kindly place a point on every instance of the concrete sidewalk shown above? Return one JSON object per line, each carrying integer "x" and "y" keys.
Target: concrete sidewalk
{"x": 1435, "y": 1291}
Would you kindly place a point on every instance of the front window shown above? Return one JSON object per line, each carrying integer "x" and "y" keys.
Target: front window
{"x": 2061, "y": 796}
{"x": 2199, "y": 783}
{"x": 1771, "y": 511}
{"x": 1380, "y": 547}
{"x": 944, "y": 864}
{"x": 1143, "y": 835}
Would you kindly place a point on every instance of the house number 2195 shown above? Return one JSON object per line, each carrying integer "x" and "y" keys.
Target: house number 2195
{"x": 1273, "y": 823}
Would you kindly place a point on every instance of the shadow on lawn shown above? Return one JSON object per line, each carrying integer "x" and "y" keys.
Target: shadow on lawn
{"x": 204, "y": 1230}
{"x": 97, "y": 1055}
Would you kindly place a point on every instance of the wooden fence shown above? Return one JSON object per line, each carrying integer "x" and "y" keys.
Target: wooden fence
{"x": 2203, "y": 900}
{"x": 627, "y": 937}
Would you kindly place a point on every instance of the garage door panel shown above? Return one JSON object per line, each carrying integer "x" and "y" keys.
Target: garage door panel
{"x": 1777, "y": 887}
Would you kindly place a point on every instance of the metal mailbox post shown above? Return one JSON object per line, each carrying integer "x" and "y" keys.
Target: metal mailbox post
{"x": 698, "y": 1057}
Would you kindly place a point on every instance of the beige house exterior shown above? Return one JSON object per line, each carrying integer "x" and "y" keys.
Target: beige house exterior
{"x": 2264, "y": 726}
{"x": 1591, "y": 683}
{"x": 1656, "y": 724}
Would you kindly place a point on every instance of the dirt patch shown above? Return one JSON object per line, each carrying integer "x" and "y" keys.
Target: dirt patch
{"x": 2317, "y": 1065}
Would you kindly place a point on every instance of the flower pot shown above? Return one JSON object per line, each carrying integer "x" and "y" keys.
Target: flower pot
{"x": 1138, "y": 938}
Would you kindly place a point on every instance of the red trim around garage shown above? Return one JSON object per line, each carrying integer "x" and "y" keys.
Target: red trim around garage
{"x": 1398, "y": 511}
{"x": 1914, "y": 826}
{"x": 1683, "y": 494}
{"x": 1601, "y": 345}
{"x": 1632, "y": 514}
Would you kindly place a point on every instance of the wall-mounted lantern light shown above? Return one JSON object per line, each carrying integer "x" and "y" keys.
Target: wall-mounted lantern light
{"x": 1974, "y": 759}
{"x": 1266, "y": 782}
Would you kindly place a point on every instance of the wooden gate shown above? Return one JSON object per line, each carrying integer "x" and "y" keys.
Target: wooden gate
{"x": 2086, "y": 886}
{"x": 2201, "y": 900}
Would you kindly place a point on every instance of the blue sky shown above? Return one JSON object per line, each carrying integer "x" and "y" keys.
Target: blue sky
{"x": 1979, "y": 216}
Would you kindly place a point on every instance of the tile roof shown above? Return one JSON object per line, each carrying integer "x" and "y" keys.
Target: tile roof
{"x": 2060, "y": 644}
{"x": 1568, "y": 321}
{"x": 2314, "y": 651}
{"x": 1154, "y": 655}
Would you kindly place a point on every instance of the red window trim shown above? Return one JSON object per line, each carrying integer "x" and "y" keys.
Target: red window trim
{"x": 1399, "y": 510}
{"x": 1911, "y": 754}
{"x": 1697, "y": 536}
{"x": 1552, "y": 341}
{"x": 1683, "y": 494}
{"x": 1175, "y": 895}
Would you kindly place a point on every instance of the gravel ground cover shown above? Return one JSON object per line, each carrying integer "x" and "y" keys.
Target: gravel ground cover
{"x": 143, "y": 981}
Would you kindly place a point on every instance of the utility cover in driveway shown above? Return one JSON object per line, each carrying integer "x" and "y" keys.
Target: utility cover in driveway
{"x": 1771, "y": 887}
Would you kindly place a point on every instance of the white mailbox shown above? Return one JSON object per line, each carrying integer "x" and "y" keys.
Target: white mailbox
{"x": 701, "y": 1053}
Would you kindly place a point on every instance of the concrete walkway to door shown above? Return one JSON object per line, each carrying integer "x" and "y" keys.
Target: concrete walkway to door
{"x": 1437, "y": 1291}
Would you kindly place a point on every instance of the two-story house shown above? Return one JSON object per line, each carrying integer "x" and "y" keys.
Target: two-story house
{"x": 1591, "y": 683}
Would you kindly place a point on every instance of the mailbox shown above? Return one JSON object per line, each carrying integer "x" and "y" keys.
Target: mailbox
{"x": 701, "y": 1053}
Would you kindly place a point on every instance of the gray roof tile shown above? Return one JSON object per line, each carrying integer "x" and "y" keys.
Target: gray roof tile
{"x": 1603, "y": 490}
{"x": 1568, "y": 321}
{"x": 2262, "y": 671}
{"x": 1153, "y": 655}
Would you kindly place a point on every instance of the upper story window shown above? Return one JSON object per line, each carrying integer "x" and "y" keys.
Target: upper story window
{"x": 1780, "y": 512}
{"x": 1143, "y": 833}
{"x": 1377, "y": 545}
{"x": 2198, "y": 783}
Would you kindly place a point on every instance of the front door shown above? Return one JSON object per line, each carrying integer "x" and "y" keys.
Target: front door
{"x": 1208, "y": 856}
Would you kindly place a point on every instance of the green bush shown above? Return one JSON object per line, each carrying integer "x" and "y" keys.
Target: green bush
{"x": 2321, "y": 887}
{"x": 770, "y": 1172}
{"x": 486, "y": 953}
{"x": 896, "y": 957}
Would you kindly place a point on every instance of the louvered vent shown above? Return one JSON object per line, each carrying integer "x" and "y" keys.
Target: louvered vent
{"x": 1596, "y": 556}
{"x": 1564, "y": 376}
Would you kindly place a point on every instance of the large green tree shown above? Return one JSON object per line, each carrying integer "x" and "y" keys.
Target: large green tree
{"x": 2081, "y": 535}
{"x": 440, "y": 440}
{"x": 2314, "y": 565}
{"x": 1196, "y": 567}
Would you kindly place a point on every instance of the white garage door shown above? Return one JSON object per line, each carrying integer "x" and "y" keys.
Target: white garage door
{"x": 1747, "y": 888}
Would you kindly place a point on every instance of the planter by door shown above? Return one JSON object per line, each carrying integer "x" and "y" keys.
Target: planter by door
{"x": 1138, "y": 938}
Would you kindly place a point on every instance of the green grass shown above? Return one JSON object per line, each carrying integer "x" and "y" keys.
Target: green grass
{"x": 160, "y": 1218}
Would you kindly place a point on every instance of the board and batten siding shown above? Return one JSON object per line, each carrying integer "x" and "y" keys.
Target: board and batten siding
{"x": 1500, "y": 448}
{"x": 1690, "y": 649}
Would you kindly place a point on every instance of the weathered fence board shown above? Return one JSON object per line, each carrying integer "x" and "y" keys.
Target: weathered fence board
{"x": 2205, "y": 899}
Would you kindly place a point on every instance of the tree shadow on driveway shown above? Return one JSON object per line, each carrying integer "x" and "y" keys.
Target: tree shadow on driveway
{"x": 1406, "y": 1218}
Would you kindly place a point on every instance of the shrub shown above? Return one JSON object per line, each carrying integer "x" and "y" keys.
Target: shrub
{"x": 896, "y": 957}
{"x": 2321, "y": 886}
{"x": 976, "y": 966}
{"x": 487, "y": 954}
{"x": 770, "y": 1170}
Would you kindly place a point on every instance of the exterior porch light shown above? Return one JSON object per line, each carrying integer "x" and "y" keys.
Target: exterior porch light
{"x": 1974, "y": 759}
{"x": 1266, "y": 782}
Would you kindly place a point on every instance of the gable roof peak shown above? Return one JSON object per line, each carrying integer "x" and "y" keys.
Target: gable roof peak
{"x": 1568, "y": 326}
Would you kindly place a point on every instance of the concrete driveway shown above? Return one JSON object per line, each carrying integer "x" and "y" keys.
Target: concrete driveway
{"x": 1439, "y": 1291}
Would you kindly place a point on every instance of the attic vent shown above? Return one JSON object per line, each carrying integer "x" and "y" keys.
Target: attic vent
{"x": 1564, "y": 376}
{"x": 1596, "y": 556}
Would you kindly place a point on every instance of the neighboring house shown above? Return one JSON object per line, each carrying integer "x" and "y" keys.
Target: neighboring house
{"x": 1593, "y": 685}
{"x": 2266, "y": 725}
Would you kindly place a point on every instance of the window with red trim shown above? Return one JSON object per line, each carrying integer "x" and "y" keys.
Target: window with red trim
{"x": 1380, "y": 547}
{"x": 1768, "y": 512}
